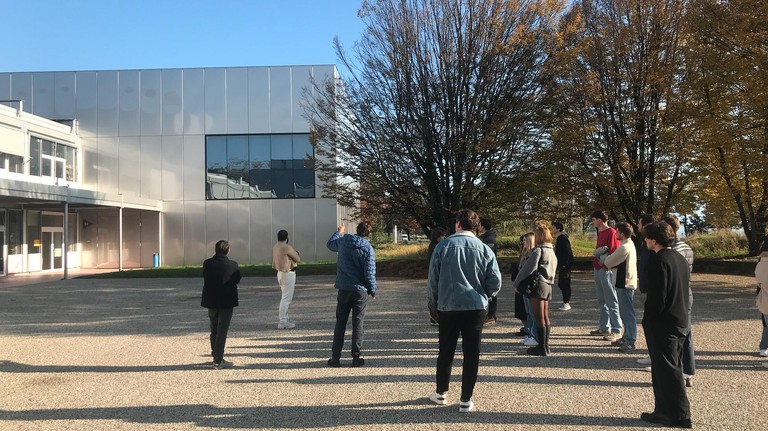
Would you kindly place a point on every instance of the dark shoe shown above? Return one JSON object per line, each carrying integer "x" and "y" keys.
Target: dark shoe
{"x": 522, "y": 333}
{"x": 656, "y": 418}
{"x": 335, "y": 363}
{"x": 433, "y": 322}
{"x": 490, "y": 321}
{"x": 599, "y": 332}
{"x": 358, "y": 361}
{"x": 617, "y": 343}
{"x": 540, "y": 349}
{"x": 688, "y": 382}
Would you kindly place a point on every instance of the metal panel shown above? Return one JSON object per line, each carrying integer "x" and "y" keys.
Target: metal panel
{"x": 64, "y": 96}
{"x": 150, "y": 165}
{"x": 238, "y": 213}
{"x": 216, "y": 223}
{"x": 282, "y": 218}
{"x": 237, "y": 100}
{"x": 172, "y": 102}
{"x": 131, "y": 238}
{"x": 195, "y": 250}
{"x": 300, "y": 79}
{"x": 107, "y": 103}
{"x": 86, "y": 85}
{"x": 90, "y": 155}
{"x": 194, "y": 101}
{"x": 304, "y": 234}
{"x": 129, "y": 159}
{"x": 172, "y": 253}
{"x": 107, "y": 164}
{"x": 43, "y": 89}
{"x": 326, "y": 222}
{"x": 258, "y": 100}
{"x": 149, "y": 237}
{"x": 172, "y": 166}
{"x": 194, "y": 167}
{"x": 88, "y": 238}
{"x": 21, "y": 89}
{"x": 280, "y": 103}
{"x": 151, "y": 102}
{"x": 129, "y": 96}
{"x": 215, "y": 101}
{"x": 261, "y": 231}
{"x": 5, "y": 86}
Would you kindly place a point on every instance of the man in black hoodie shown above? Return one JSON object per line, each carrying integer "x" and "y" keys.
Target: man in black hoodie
{"x": 488, "y": 237}
{"x": 564, "y": 255}
{"x": 221, "y": 276}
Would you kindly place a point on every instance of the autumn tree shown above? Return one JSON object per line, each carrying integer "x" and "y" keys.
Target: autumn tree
{"x": 727, "y": 60}
{"x": 437, "y": 108}
{"x": 612, "y": 81}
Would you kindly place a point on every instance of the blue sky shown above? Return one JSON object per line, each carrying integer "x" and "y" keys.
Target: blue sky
{"x": 60, "y": 35}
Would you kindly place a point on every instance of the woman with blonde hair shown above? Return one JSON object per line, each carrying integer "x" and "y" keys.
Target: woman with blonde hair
{"x": 538, "y": 275}
{"x": 527, "y": 244}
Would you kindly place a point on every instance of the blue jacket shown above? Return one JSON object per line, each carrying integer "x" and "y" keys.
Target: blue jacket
{"x": 356, "y": 264}
{"x": 463, "y": 274}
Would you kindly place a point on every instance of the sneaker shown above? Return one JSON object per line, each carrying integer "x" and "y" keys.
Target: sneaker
{"x": 530, "y": 341}
{"x": 466, "y": 406}
{"x": 565, "y": 307}
{"x": 221, "y": 365}
{"x": 433, "y": 322}
{"x": 688, "y": 380}
{"x": 334, "y": 363}
{"x": 613, "y": 336}
{"x": 286, "y": 325}
{"x": 438, "y": 398}
{"x": 627, "y": 348}
{"x": 358, "y": 361}
{"x": 617, "y": 343}
{"x": 644, "y": 361}
{"x": 522, "y": 333}
{"x": 599, "y": 332}
{"x": 648, "y": 368}
{"x": 763, "y": 352}
{"x": 524, "y": 340}
{"x": 490, "y": 321}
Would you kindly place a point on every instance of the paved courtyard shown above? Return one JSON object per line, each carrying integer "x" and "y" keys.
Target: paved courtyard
{"x": 133, "y": 355}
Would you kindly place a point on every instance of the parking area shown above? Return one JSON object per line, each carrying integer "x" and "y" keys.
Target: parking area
{"x": 133, "y": 355}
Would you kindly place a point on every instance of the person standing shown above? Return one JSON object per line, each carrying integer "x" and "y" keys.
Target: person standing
{"x": 220, "y": 278}
{"x": 285, "y": 259}
{"x": 665, "y": 323}
{"x": 355, "y": 282}
{"x": 438, "y": 234}
{"x": 523, "y": 290}
{"x": 463, "y": 274}
{"x": 564, "y": 254}
{"x": 607, "y": 302}
{"x": 623, "y": 265}
{"x": 642, "y": 279}
{"x": 761, "y": 276}
{"x": 488, "y": 237}
{"x": 540, "y": 268}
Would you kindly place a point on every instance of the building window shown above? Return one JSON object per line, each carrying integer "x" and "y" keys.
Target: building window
{"x": 12, "y": 163}
{"x": 259, "y": 167}
{"x": 52, "y": 159}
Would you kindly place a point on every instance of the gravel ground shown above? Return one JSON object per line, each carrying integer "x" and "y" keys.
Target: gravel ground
{"x": 133, "y": 355}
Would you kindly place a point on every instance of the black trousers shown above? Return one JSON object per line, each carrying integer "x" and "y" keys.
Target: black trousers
{"x": 219, "y": 319}
{"x": 468, "y": 324}
{"x": 355, "y": 302}
{"x": 665, "y": 346}
{"x": 564, "y": 283}
{"x": 492, "y": 306}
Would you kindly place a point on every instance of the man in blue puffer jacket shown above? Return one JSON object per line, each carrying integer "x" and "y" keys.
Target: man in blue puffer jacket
{"x": 355, "y": 282}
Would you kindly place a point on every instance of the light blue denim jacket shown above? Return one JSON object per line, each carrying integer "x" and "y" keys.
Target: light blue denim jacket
{"x": 463, "y": 274}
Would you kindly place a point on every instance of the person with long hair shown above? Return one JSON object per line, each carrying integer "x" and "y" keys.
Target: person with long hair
{"x": 527, "y": 244}
{"x": 539, "y": 269}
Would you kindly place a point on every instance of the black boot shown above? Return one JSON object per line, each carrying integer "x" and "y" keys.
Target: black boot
{"x": 546, "y": 338}
{"x": 538, "y": 350}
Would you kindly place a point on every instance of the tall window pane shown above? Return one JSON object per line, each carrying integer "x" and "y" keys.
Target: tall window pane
{"x": 260, "y": 175}
{"x": 34, "y": 156}
{"x": 216, "y": 166}
{"x": 237, "y": 167}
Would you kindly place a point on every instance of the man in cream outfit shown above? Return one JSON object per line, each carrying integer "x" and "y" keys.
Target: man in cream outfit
{"x": 285, "y": 259}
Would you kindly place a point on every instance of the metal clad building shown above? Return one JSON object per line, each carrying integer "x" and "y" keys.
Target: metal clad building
{"x": 161, "y": 161}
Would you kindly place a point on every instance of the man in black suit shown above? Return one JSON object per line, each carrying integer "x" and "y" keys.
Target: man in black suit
{"x": 665, "y": 321}
{"x": 221, "y": 276}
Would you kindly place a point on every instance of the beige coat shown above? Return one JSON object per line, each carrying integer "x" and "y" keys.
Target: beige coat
{"x": 284, "y": 257}
{"x": 625, "y": 253}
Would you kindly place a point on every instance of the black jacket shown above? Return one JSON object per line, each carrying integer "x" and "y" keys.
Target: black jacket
{"x": 666, "y": 306}
{"x": 221, "y": 276}
{"x": 563, "y": 251}
{"x": 489, "y": 239}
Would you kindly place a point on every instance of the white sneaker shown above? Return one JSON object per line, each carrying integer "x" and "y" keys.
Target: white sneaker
{"x": 525, "y": 340}
{"x": 644, "y": 361}
{"x": 565, "y": 307}
{"x": 286, "y": 325}
{"x": 530, "y": 341}
{"x": 466, "y": 406}
{"x": 764, "y": 352}
{"x": 648, "y": 368}
{"x": 438, "y": 398}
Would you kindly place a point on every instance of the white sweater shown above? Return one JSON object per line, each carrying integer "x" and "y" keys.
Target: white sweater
{"x": 624, "y": 254}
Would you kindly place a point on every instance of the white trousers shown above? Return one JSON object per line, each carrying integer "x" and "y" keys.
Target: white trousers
{"x": 287, "y": 281}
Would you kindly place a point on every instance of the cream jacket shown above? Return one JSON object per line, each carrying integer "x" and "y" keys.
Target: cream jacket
{"x": 284, "y": 257}
{"x": 624, "y": 254}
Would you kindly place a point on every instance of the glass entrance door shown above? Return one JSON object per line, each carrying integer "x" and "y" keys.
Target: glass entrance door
{"x": 3, "y": 252}
{"x": 53, "y": 248}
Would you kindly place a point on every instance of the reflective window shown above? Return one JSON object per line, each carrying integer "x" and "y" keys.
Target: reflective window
{"x": 259, "y": 167}
{"x": 51, "y": 159}
{"x": 15, "y": 231}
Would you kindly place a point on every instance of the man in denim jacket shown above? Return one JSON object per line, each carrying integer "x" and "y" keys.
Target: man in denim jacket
{"x": 355, "y": 282}
{"x": 463, "y": 274}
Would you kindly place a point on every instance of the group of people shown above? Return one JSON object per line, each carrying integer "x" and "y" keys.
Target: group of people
{"x": 463, "y": 283}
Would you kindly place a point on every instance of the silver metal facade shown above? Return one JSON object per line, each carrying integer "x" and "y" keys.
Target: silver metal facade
{"x": 143, "y": 134}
